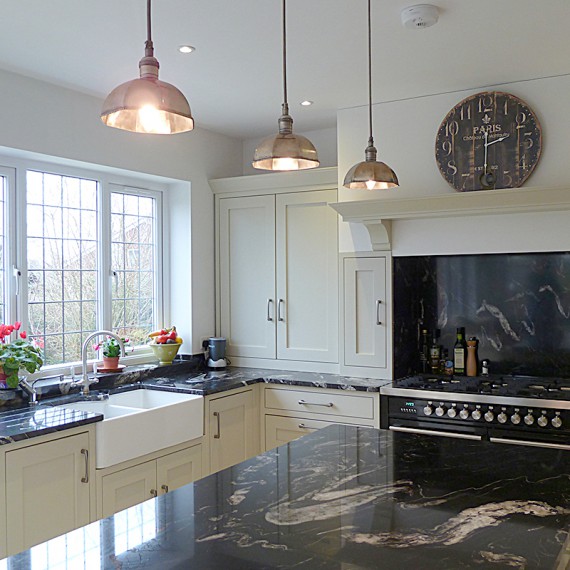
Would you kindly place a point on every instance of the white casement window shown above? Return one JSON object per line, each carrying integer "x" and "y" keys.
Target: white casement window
{"x": 79, "y": 253}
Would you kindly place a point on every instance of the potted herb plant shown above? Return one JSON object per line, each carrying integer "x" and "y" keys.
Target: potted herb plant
{"x": 16, "y": 355}
{"x": 111, "y": 352}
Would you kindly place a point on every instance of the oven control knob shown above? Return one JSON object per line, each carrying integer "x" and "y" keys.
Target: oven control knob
{"x": 489, "y": 416}
{"x": 440, "y": 411}
{"x": 556, "y": 421}
{"x": 516, "y": 419}
{"x": 464, "y": 414}
{"x": 502, "y": 418}
{"x": 542, "y": 421}
{"x": 529, "y": 419}
{"x": 476, "y": 414}
{"x": 452, "y": 412}
{"x": 428, "y": 410}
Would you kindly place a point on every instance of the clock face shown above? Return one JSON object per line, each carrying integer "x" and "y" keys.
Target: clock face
{"x": 489, "y": 140}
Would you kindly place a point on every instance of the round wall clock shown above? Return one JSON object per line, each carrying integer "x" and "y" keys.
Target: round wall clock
{"x": 488, "y": 140}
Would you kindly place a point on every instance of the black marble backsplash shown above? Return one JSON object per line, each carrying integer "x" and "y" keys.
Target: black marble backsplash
{"x": 517, "y": 305}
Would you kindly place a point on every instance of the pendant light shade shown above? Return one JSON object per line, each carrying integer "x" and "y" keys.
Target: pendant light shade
{"x": 370, "y": 174}
{"x": 285, "y": 150}
{"x": 146, "y": 104}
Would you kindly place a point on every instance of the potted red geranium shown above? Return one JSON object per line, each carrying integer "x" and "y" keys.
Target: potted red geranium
{"x": 17, "y": 354}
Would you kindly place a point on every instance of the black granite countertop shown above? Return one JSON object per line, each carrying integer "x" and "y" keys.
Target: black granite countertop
{"x": 20, "y": 422}
{"x": 345, "y": 498}
{"x": 26, "y": 423}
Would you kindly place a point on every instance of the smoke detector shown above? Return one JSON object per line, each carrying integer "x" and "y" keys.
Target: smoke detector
{"x": 419, "y": 16}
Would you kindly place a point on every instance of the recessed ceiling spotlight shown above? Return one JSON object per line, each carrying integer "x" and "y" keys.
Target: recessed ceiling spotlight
{"x": 306, "y": 103}
{"x": 419, "y": 16}
{"x": 186, "y": 49}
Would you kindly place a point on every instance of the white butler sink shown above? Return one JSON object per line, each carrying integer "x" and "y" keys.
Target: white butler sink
{"x": 142, "y": 421}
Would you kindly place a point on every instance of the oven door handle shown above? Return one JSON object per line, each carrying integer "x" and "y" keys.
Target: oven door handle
{"x": 433, "y": 432}
{"x": 531, "y": 443}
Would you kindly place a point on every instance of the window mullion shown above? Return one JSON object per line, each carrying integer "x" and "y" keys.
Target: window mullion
{"x": 18, "y": 240}
{"x": 105, "y": 271}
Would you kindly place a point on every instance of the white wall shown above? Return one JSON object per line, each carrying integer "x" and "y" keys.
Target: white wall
{"x": 42, "y": 118}
{"x": 324, "y": 140}
{"x": 405, "y": 134}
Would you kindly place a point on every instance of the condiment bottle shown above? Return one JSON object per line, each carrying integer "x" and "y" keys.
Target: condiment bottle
{"x": 472, "y": 357}
{"x": 459, "y": 353}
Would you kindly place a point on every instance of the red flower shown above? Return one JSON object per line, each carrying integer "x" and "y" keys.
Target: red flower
{"x": 23, "y": 334}
{"x": 17, "y": 325}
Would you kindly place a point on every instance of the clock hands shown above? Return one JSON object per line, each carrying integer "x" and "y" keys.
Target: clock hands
{"x": 487, "y": 179}
{"x": 495, "y": 141}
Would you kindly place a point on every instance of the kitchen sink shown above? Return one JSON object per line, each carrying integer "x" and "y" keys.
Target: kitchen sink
{"x": 139, "y": 422}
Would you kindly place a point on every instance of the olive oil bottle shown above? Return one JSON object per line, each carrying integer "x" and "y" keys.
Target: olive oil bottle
{"x": 459, "y": 350}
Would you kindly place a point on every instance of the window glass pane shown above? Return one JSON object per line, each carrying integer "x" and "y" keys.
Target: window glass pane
{"x": 62, "y": 263}
{"x": 133, "y": 257}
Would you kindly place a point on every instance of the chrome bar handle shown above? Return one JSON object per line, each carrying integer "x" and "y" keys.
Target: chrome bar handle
{"x": 434, "y": 432}
{"x": 269, "y": 315}
{"x": 531, "y": 443}
{"x": 85, "y": 453}
{"x": 164, "y": 488}
{"x": 279, "y": 305}
{"x": 217, "y": 416}
{"x": 305, "y": 403}
{"x": 303, "y": 426}
{"x": 378, "y": 303}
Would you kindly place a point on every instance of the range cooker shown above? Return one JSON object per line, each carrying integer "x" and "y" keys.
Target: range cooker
{"x": 515, "y": 409}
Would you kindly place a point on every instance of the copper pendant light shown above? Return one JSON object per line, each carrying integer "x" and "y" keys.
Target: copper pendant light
{"x": 285, "y": 151}
{"x": 146, "y": 104}
{"x": 370, "y": 174}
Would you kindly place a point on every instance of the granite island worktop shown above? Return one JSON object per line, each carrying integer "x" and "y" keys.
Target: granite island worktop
{"x": 345, "y": 498}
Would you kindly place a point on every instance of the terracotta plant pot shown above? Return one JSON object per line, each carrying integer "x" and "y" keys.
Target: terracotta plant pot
{"x": 111, "y": 362}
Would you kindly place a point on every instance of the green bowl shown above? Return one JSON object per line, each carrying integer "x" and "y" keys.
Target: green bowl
{"x": 165, "y": 352}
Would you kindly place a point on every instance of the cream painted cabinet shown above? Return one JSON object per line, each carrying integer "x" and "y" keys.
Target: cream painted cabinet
{"x": 366, "y": 316}
{"x": 47, "y": 490}
{"x": 291, "y": 412}
{"x": 232, "y": 428}
{"x": 127, "y": 487}
{"x": 278, "y": 276}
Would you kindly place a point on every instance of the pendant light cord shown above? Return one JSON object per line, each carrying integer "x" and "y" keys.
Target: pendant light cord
{"x": 285, "y": 102}
{"x": 370, "y": 138}
{"x": 149, "y": 49}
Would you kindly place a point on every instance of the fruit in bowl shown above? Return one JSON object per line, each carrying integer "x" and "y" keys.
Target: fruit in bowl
{"x": 165, "y": 344}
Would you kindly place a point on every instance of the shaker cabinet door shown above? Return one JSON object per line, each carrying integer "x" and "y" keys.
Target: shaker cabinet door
{"x": 365, "y": 312}
{"x": 307, "y": 277}
{"x": 247, "y": 275}
{"x": 47, "y": 490}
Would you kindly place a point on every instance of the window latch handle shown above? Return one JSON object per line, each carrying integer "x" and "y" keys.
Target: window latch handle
{"x": 17, "y": 276}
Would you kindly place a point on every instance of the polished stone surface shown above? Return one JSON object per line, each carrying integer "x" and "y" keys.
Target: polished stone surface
{"x": 344, "y": 498}
{"x": 517, "y": 305}
{"x": 26, "y": 423}
{"x": 19, "y": 423}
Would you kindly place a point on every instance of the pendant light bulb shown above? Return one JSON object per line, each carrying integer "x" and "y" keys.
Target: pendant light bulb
{"x": 146, "y": 104}
{"x": 285, "y": 151}
{"x": 370, "y": 174}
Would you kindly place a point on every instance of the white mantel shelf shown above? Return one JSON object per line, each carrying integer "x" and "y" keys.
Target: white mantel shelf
{"x": 377, "y": 215}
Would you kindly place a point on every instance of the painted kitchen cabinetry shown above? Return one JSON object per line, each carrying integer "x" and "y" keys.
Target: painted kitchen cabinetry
{"x": 48, "y": 489}
{"x": 290, "y": 412}
{"x": 278, "y": 278}
{"x": 232, "y": 428}
{"x": 126, "y": 485}
{"x": 366, "y": 315}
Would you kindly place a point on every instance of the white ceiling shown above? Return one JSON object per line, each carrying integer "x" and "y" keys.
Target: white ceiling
{"x": 233, "y": 80}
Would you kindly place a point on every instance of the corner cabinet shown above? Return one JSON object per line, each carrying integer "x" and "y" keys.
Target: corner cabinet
{"x": 366, "y": 316}
{"x": 48, "y": 489}
{"x": 278, "y": 276}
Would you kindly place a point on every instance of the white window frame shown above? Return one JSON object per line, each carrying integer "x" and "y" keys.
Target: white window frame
{"x": 16, "y": 289}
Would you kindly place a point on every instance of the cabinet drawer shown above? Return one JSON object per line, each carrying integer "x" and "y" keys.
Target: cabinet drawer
{"x": 280, "y": 430}
{"x": 320, "y": 402}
